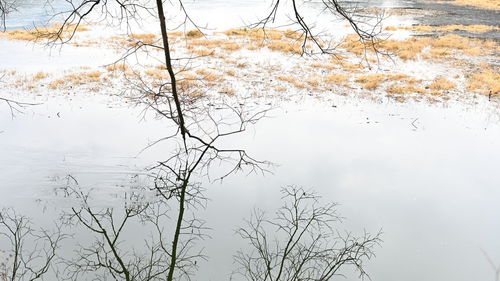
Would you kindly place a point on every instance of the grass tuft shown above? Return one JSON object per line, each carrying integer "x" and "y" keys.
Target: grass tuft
{"x": 195, "y": 33}
{"x": 40, "y": 75}
{"x": 404, "y": 89}
{"x": 156, "y": 73}
{"x": 484, "y": 82}
{"x": 55, "y": 31}
{"x": 371, "y": 81}
{"x": 441, "y": 83}
{"x": 339, "y": 79}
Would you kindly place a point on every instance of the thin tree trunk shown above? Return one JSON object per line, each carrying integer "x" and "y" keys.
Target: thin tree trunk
{"x": 178, "y": 227}
{"x": 168, "y": 62}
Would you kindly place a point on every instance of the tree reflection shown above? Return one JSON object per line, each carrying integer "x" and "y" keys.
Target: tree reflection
{"x": 165, "y": 208}
{"x": 301, "y": 242}
{"x": 29, "y": 252}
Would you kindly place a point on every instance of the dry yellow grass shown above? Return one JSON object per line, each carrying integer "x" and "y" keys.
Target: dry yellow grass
{"x": 353, "y": 67}
{"x": 228, "y": 91}
{"x": 184, "y": 85}
{"x": 323, "y": 65}
{"x": 289, "y": 79}
{"x": 195, "y": 33}
{"x": 299, "y": 84}
{"x": 440, "y": 52}
{"x": 398, "y": 77}
{"x": 440, "y": 46}
{"x": 406, "y": 49}
{"x": 54, "y": 32}
{"x": 339, "y": 79}
{"x": 230, "y": 46}
{"x": 404, "y": 89}
{"x": 485, "y": 82}
{"x": 253, "y": 47}
{"x": 374, "y": 80}
{"x": 371, "y": 81}
{"x": 175, "y": 34}
{"x": 285, "y": 47}
{"x": 451, "y": 41}
{"x": 241, "y": 65}
{"x": 230, "y": 72}
{"x": 40, "y": 75}
{"x": 441, "y": 83}
{"x": 280, "y": 88}
{"x": 392, "y": 28}
{"x": 202, "y": 52}
{"x": 146, "y": 38}
{"x": 212, "y": 44}
{"x": 353, "y": 44}
{"x": 261, "y": 34}
{"x": 206, "y": 43}
{"x": 117, "y": 67}
{"x": 485, "y": 4}
{"x": 56, "y": 84}
{"x": 83, "y": 78}
{"x": 208, "y": 75}
{"x": 475, "y": 51}
{"x": 277, "y": 40}
{"x": 476, "y": 28}
{"x": 196, "y": 93}
{"x": 313, "y": 82}
{"x": 161, "y": 66}
{"x": 188, "y": 76}
{"x": 156, "y": 73}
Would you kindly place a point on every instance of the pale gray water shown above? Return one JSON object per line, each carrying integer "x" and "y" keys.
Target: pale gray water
{"x": 426, "y": 174}
{"x": 432, "y": 189}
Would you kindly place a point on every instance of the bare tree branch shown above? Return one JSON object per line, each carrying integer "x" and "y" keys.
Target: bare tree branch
{"x": 31, "y": 252}
{"x": 6, "y": 7}
{"x": 301, "y": 242}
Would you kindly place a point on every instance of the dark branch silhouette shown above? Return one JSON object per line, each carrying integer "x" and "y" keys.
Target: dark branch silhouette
{"x": 110, "y": 255}
{"x": 6, "y": 7}
{"x": 301, "y": 242}
{"x": 367, "y": 28}
{"x": 198, "y": 137}
{"x": 32, "y": 252}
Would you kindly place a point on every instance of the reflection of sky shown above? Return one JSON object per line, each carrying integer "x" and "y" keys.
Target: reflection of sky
{"x": 432, "y": 189}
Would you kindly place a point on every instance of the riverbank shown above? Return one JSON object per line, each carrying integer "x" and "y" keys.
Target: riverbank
{"x": 270, "y": 63}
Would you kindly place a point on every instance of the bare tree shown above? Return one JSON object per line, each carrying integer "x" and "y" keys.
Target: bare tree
{"x": 200, "y": 131}
{"x": 367, "y": 27}
{"x": 109, "y": 254}
{"x": 6, "y": 7}
{"x": 172, "y": 210}
{"x": 14, "y": 106}
{"x": 301, "y": 242}
{"x": 31, "y": 252}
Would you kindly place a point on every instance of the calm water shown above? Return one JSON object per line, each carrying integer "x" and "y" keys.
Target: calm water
{"x": 432, "y": 187}
{"x": 424, "y": 174}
